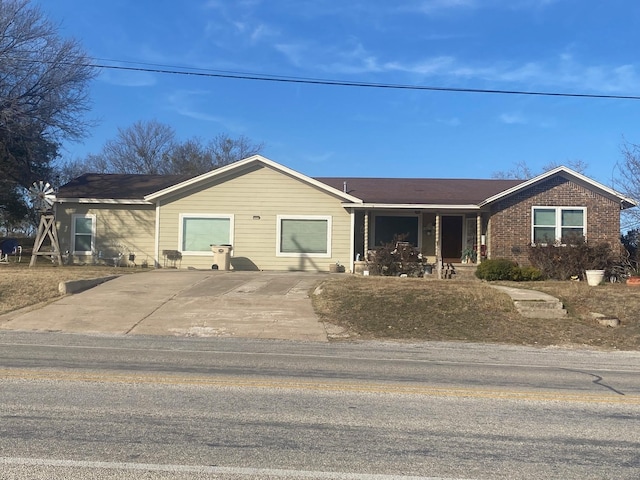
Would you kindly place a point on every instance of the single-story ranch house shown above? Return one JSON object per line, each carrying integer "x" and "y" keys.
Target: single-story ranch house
{"x": 278, "y": 219}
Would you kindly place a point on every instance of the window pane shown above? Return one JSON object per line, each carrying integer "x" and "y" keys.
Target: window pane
{"x": 572, "y": 236}
{"x": 387, "y": 227}
{"x": 544, "y": 216}
{"x": 198, "y": 234}
{"x": 544, "y": 235}
{"x": 572, "y": 218}
{"x": 303, "y": 236}
{"x": 83, "y": 243}
{"x": 83, "y": 225}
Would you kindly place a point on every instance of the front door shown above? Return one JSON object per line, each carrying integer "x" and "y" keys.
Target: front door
{"x": 451, "y": 238}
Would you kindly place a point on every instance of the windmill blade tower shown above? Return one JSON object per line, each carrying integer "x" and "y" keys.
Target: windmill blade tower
{"x": 43, "y": 197}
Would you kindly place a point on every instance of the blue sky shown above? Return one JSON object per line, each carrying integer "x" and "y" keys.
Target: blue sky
{"x": 573, "y": 46}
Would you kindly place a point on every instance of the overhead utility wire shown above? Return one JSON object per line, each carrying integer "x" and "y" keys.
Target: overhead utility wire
{"x": 343, "y": 83}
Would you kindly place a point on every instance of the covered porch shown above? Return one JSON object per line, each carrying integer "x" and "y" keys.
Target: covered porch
{"x": 445, "y": 238}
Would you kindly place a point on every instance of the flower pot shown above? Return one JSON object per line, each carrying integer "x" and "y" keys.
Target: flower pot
{"x": 594, "y": 277}
{"x": 633, "y": 281}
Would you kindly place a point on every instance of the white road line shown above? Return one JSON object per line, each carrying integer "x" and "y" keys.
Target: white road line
{"x": 154, "y": 467}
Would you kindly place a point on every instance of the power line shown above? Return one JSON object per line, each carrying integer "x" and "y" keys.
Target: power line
{"x": 343, "y": 83}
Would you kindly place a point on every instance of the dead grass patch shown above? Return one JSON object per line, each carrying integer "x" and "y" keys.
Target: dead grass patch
{"x": 414, "y": 309}
{"x": 21, "y": 286}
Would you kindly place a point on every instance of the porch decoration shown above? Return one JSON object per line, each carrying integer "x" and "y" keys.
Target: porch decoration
{"x": 469, "y": 255}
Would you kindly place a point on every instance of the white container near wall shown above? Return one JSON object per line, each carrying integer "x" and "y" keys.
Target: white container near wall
{"x": 594, "y": 277}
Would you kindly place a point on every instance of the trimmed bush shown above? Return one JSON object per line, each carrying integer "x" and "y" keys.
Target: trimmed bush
{"x": 505, "y": 269}
{"x": 496, "y": 269}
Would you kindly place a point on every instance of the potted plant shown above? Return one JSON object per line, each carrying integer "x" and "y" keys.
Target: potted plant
{"x": 469, "y": 255}
{"x": 634, "y": 274}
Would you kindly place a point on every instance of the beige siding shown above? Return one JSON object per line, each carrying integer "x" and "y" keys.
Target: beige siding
{"x": 259, "y": 192}
{"x": 119, "y": 228}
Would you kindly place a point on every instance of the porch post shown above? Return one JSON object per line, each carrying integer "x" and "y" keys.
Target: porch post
{"x": 479, "y": 237}
{"x": 366, "y": 235}
{"x": 438, "y": 253}
{"x": 352, "y": 237}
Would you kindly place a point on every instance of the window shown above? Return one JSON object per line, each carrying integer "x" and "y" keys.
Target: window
{"x": 386, "y": 228}
{"x": 199, "y": 231}
{"x": 83, "y": 234}
{"x": 553, "y": 224}
{"x": 299, "y": 236}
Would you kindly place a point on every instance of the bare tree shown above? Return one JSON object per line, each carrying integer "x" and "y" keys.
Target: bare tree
{"x": 189, "y": 157}
{"x": 140, "y": 148}
{"x": 43, "y": 96}
{"x": 226, "y": 150}
{"x": 522, "y": 171}
{"x": 627, "y": 181}
{"x": 151, "y": 147}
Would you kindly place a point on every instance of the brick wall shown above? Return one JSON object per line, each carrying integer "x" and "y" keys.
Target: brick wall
{"x": 510, "y": 222}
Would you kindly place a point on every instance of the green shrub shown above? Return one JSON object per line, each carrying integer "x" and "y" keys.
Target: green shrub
{"x": 496, "y": 269}
{"x": 526, "y": 274}
{"x": 505, "y": 269}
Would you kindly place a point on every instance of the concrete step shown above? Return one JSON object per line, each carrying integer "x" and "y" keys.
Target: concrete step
{"x": 538, "y": 305}
{"x": 459, "y": 271}
{"x": 545, "y": 314}
{"x": 540, "y": 308}
{"x": 535, "y": 304}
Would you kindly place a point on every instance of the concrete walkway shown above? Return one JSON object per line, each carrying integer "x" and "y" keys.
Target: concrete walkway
{"x": 185, "y": 303}
{"x": 534, "y": 304}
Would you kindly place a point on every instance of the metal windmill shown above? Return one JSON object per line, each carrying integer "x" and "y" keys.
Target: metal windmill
{"x": 43, "y": 197}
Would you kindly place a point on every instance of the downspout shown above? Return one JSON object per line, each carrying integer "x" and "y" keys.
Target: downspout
{"x": 156, "y": 260}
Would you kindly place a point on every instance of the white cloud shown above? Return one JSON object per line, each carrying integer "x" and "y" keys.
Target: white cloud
{"x": 182, "y": 102}
{"x": 513, "y": 119}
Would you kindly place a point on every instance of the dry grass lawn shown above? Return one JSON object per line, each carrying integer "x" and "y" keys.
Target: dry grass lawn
{"x": 21, "y": 286}
{"x": 415, "y": 309}
{"x": 408, "y": 308}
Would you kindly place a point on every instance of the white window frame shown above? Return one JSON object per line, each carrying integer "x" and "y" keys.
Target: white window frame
{"x": 74, "y": 217}
{"x": 558, "y": 221}
{"x": 279, "y": 219}
{"x": 372, "y": 238}
{"x": 183, "y": 216}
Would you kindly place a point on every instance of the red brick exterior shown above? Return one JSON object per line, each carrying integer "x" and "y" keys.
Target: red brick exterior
{"x": 510, "y": 222}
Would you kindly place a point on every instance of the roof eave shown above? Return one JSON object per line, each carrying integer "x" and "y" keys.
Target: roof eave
{"x": 416, "y": 206}
{"x": 107, "y": 201}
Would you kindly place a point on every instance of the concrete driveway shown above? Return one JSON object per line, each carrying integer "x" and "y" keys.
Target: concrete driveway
{"x": 186, "y": 303}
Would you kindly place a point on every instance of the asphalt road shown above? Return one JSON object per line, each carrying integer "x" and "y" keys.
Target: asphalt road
{"x": 76, "y": 406}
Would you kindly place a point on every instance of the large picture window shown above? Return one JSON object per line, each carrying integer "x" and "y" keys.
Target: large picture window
{"x": 83, "y": 234}
{"x": 387, "y": 228}
{"x": 304, "y": 236}
{"x": 558, "y": 224}
{"x": 199, "y": 231}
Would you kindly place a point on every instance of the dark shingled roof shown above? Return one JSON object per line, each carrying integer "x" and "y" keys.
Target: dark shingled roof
{"x": 117, "y": 186}
{"x": 441, "y": 191}
{"x": 370, "y": 190}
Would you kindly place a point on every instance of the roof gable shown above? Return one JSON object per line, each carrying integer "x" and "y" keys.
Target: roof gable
{"x": 246, "y": 164}
{"x": 625, "y": 202}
